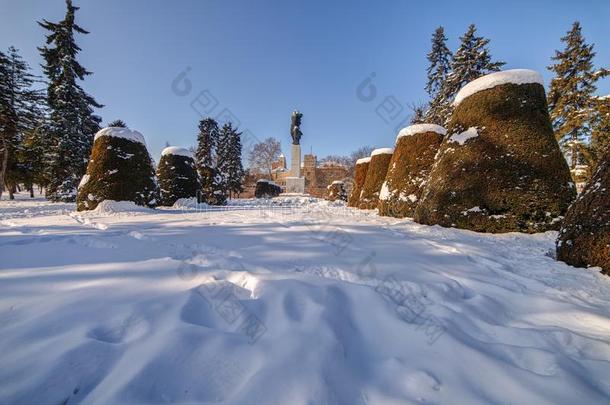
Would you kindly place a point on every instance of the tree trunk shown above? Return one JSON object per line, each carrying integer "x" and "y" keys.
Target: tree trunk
{"x": 3, "y": 163}
{"x": 31, "y": 191}
{"x": 574, "y": 157}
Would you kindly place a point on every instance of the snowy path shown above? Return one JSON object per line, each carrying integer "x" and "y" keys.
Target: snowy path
{"x": 308, "y": 304}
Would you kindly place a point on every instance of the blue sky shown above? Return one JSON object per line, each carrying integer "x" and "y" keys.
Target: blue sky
{"x": 259, "y": 60}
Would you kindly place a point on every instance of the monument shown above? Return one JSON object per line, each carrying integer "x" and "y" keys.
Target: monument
{"x": 295, "y": 184}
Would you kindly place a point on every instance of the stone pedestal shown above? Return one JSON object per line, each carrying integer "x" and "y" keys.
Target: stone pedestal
{"x": 295, "y": 185}
{"x": 295, "y": 161}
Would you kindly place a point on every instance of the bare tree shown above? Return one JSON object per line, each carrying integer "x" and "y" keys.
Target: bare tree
{"x": 263, "y": 154}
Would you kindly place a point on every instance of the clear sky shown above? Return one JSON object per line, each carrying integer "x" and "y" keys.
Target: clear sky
{"x": 259, "y": 60}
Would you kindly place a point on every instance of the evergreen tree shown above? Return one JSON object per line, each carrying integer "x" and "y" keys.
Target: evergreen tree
{"x": 20, "y": 111}
{"x": 229, "y": 158}
{"x": 32, "y": 156}
{"x": 471, "y": 61}
{"x": 206, "y": 140}
{"x": 420, "y": 115}
{"x": 571, "y": 102}
{"x": 600, "y": 135}
{"x": 213, "y": 181}
{"x": 213, "y": 186}
{"x": 72, "y": 121}
{"x": 117, "y": 124}
{"x": 440, "y": 66}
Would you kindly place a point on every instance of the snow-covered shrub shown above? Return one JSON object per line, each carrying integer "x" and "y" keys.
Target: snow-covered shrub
{"x": 177, "y": 175}
{"x": 266, "y": 189}
{"x": 584, "y": 237}
{"x": 409, "y": 169}
{"x": 120, "y": 169}
{"x": 375, "y": 176}
{"x": 362, "y": 166}
{"x": 336, "y": 191}
{"x": 499, "y": 169}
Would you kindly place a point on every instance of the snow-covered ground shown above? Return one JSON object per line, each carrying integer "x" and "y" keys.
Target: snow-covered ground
{"x": 296, "y": 302}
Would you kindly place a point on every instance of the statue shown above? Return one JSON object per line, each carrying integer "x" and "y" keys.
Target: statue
{"x": 295, "y": 130}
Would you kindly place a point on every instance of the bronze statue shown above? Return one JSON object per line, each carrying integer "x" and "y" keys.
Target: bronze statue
{"x": 295, "y": 130}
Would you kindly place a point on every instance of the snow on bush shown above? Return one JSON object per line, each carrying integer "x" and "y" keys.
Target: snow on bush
{"x": 512, "y": 76}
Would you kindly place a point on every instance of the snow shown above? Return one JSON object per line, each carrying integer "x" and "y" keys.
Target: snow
{"x": 384, "y": 193}
{"x": 382, "y": 151}
{"x": 84, "y": 180}
{"x": 514, "y": 76}
{"x": 177, "y": 151}
{"x": 462, "y": 137}
{"x": 337, "y": 182}
{"x": 289, "y": 301}
{"x": 272, "y": 182}
{"x": 124, "y": 133}
{"x": 363, "y": 160}
{"x": 412, "y": 198}
{"x": 420, "y": 129}
{"x": 109, "y": 207}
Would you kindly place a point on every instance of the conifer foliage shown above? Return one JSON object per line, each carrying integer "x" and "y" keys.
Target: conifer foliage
{"x": 72, "y": 122}
{"x": 229, "y": 158}
{"x": 471, "y": 61}
{"x": 177, "y": 175}
{"x": 440, "y": 66}
{"x": 573, "y": 108}
{"x": 448, "y": 72}
{"x": 20, "y": 114}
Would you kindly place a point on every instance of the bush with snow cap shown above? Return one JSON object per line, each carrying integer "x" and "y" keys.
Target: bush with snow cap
{"x": 177, "y": 175}
{"x": 336, "y": 191}
{"x": 266, "y": 189}
{"x": 584, "y": 237}
{"x": 409, "y": 169}
{"x": 120, "y": 169}
{"x": 362, "y": 165}
{"x": 375, "y": 176}
{"x": 499, "y": 169}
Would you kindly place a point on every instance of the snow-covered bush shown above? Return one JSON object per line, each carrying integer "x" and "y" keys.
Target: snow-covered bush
{"x": 500, "y": 168}
{"x": 584, "y": 237}
{"x": 120, "y": 169}
{"x": 362, "y": 165}
{"x": 409, "y": 169}
{"x": 336, "y": 191}
{"x": 266, "y": 189}
{"x": 375, "y": 176}
{"x": 177, "y": 175}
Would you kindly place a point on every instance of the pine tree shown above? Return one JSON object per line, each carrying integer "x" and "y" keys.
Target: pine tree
{"x": 571, "y": 103}
{"x": 420, "y": 115}
{"x": 213, "y": 181}
{"x": 600, "y": 134}
{"x": 471, "y": 61}
{"x": 440, "y": 66}
{"x": 72, "y": 121}
{"x": 20, "y": 111}
{"x": 206, "y": 140}
{"x": 229, "y": 158}
{"x": 117, "y": 124}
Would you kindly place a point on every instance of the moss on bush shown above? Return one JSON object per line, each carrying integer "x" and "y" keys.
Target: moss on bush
{"x": 336, "y": 191}
{"x": 510, "y": 177}
{"x": 375, "y": 176}
{"x": 177, "y": 178}
{"x": 584, "y": 237}
{"x": 359, "y": 178}
{"x": 408, "y": 173}
{"x": 266, "y": 189}
{"x": 120, "y": 170}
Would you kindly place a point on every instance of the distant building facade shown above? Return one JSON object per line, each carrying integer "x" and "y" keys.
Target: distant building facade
{"x": 317, "y": 177}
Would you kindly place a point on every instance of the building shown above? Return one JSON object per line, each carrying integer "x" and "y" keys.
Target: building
{"x": 317, "y": 177}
